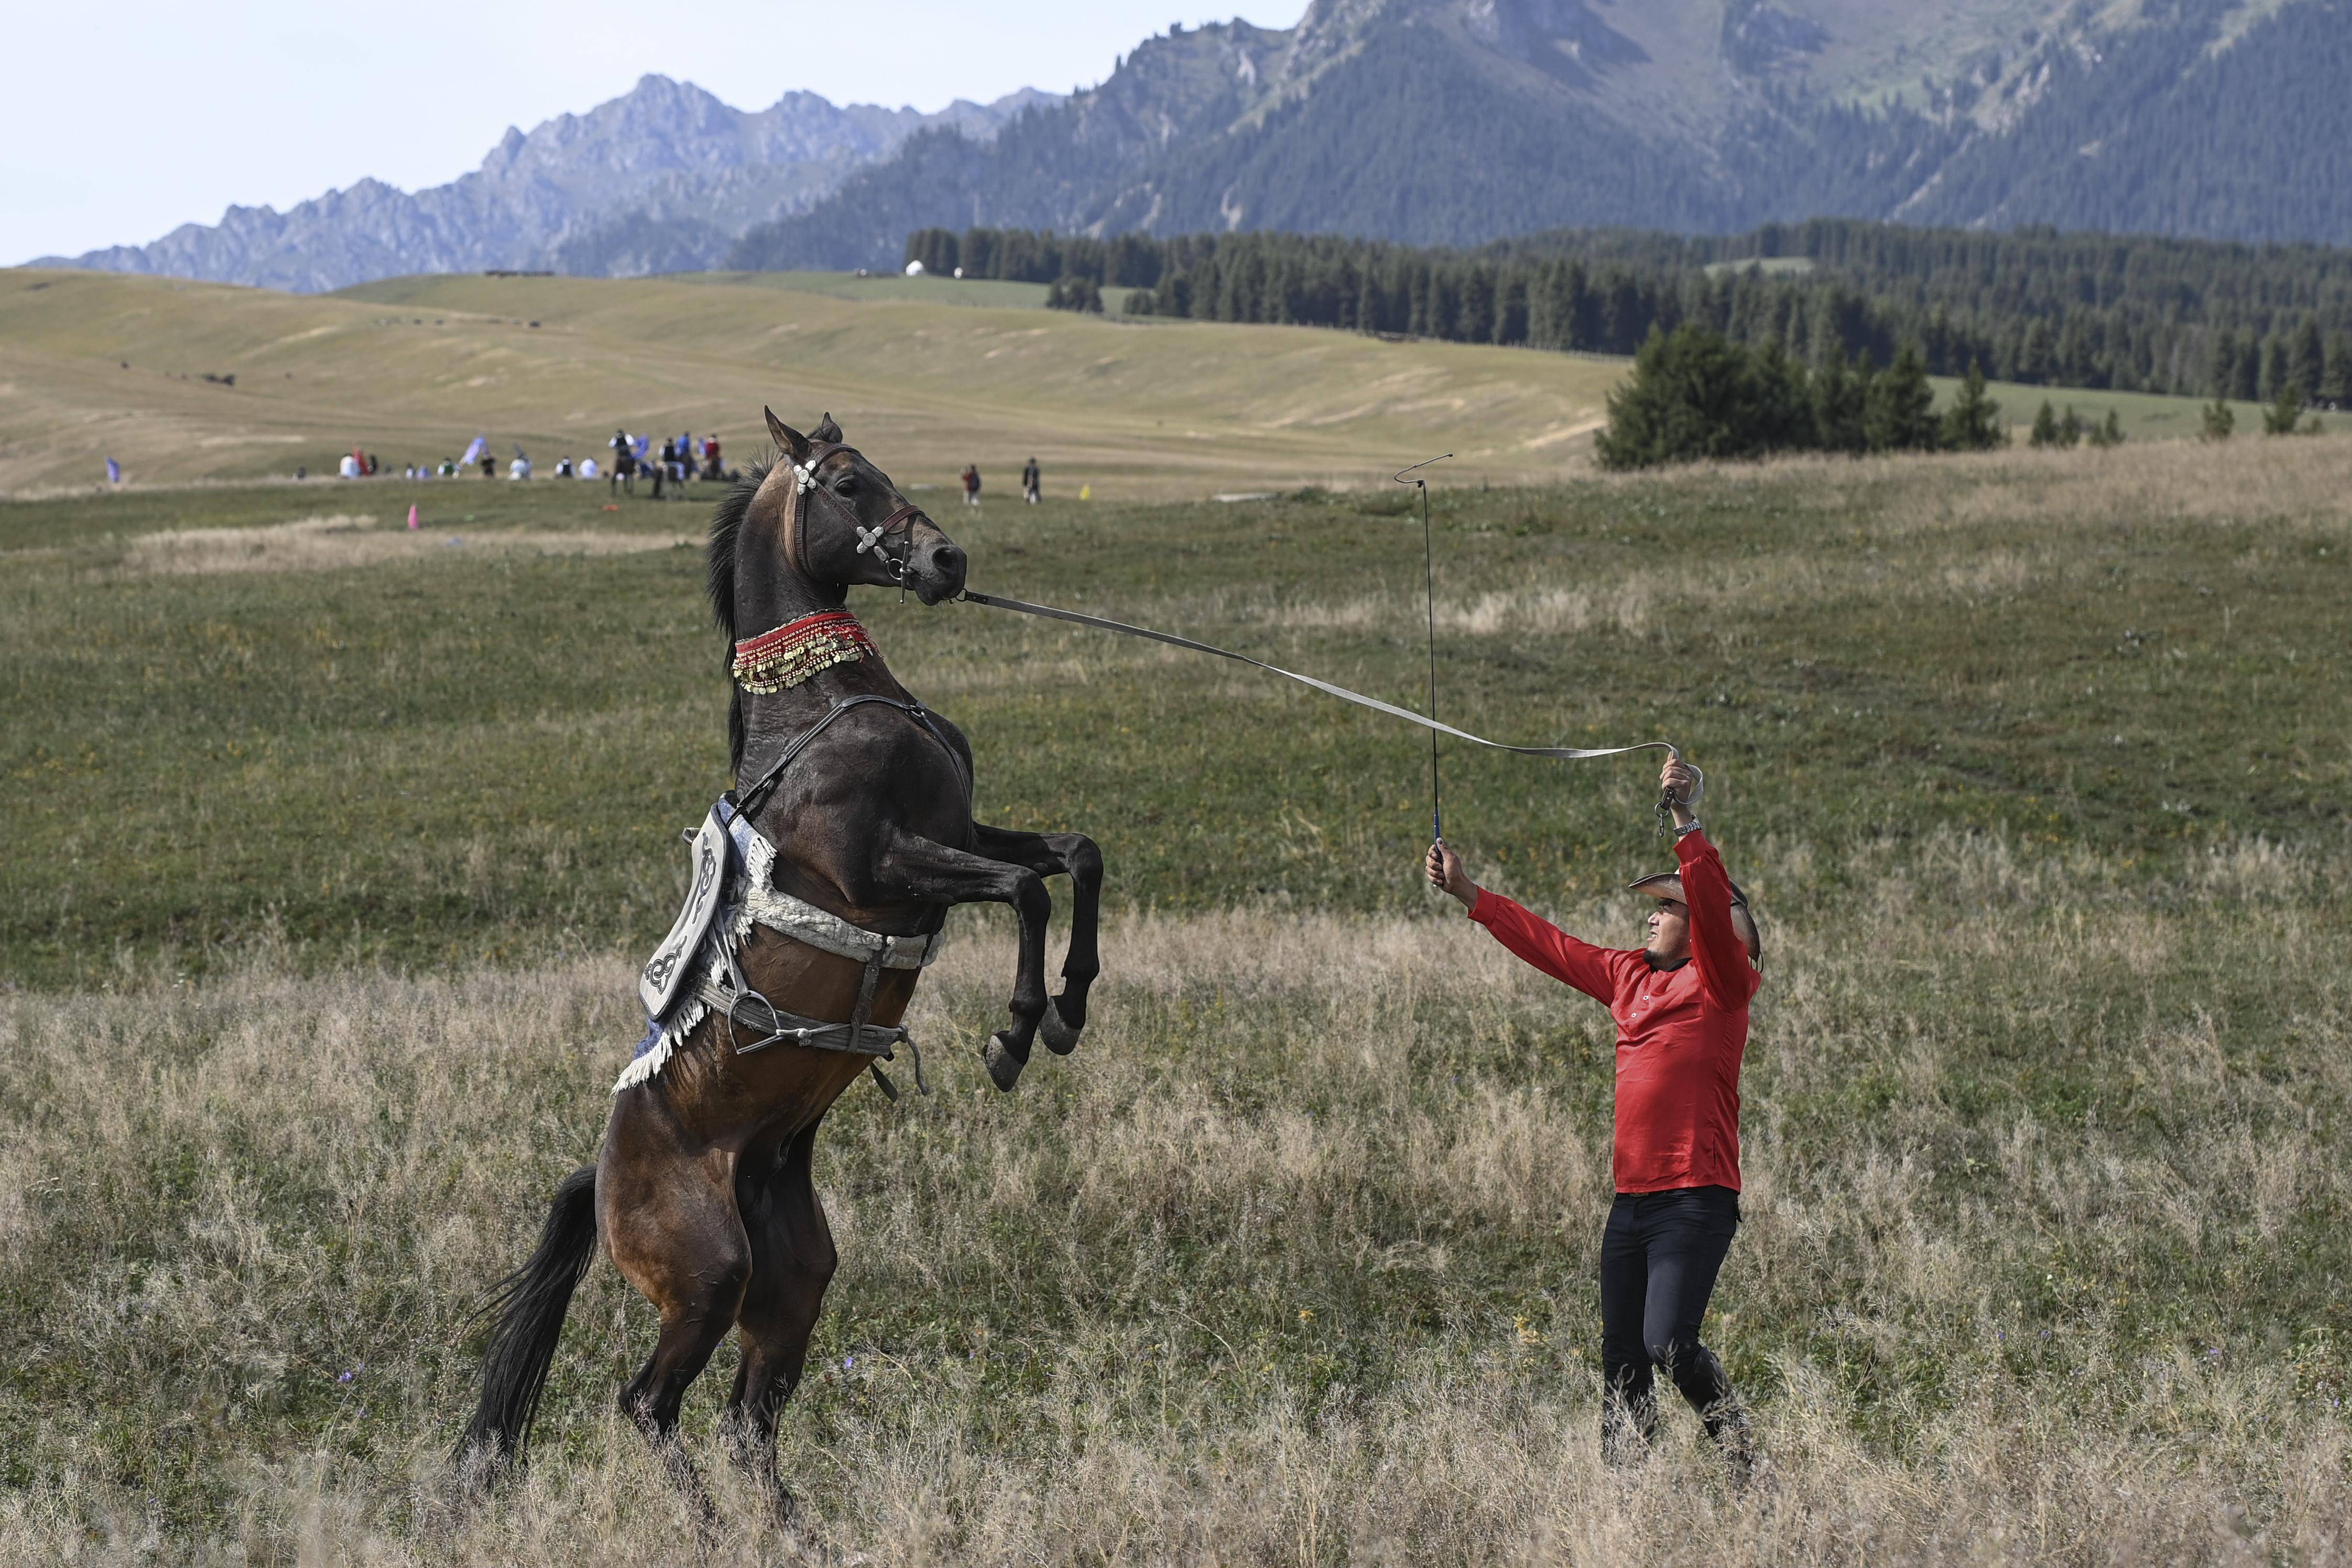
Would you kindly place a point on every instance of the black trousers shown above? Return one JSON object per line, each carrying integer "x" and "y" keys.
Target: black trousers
{"x": 1659, "y": 1257}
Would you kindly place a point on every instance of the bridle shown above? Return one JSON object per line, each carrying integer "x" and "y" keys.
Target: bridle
{"x": 875, "y": 539}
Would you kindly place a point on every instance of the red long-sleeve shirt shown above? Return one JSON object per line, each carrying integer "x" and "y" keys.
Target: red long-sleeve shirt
{"x": 1680, "y": 1031}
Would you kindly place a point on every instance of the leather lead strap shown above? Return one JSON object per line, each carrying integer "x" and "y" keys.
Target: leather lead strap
{"x": 1559, "y": 753}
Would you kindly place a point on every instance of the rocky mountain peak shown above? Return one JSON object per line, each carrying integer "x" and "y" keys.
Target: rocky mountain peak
{"x": 673, "y": 167}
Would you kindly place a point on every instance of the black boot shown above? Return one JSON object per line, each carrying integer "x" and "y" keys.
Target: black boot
{"x": 1727, "y": 1423}
{"x": 1626, "y": 1427}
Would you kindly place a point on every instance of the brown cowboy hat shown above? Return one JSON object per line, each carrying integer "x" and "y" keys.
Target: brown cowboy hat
{"x": 1667, "y": 886}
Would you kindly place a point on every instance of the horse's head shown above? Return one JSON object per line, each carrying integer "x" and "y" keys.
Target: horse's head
{"x": 837, "y": 519}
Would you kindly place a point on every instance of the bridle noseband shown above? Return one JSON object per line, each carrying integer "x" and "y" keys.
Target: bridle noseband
{"x": 875, "y": 539}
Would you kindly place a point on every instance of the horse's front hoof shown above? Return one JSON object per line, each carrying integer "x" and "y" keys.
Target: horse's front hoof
{"x": 1061, "y": 1037}
{"x": 1004, "y": 1067}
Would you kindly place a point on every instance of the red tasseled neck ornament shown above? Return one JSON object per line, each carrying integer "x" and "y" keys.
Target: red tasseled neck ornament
{"x": 782, "y": 658}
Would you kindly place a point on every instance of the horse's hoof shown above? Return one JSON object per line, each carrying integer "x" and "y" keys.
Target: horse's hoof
{"x": 1004, "y": 1067}
{"x": 1060, "y": 1037}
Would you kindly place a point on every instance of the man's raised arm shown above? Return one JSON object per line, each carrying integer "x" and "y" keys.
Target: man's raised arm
{"x": 1529, "y": 935}
{"x": 1717, "y": 952}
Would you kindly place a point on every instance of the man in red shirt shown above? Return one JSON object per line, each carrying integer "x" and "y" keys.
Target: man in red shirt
{"x": 1681, "y": 1007}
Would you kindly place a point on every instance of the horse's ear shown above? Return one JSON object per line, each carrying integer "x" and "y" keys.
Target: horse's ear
{"x": 789, "y": 441}
{"x": 826, "y": 430}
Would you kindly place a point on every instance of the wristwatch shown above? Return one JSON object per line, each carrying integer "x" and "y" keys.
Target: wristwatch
{"x": 1685, "y": 831}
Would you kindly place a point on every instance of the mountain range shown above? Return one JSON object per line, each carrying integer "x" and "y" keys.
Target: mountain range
{"x": 660, "y": 179}
{"x": 1427, "y": 121}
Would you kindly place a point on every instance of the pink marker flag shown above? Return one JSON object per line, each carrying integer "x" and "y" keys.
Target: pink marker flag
{"x": 412, "y": 514}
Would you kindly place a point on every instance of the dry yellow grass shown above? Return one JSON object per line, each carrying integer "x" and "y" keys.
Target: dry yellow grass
{"x": 95, "y": 364}
{"x": 332, "y": 544}
{"x": 1098, "y": 1322}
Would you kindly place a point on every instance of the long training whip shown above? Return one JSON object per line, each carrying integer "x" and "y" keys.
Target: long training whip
{"x": 1429, "y": 582}
{"x": 1558, "y": 753}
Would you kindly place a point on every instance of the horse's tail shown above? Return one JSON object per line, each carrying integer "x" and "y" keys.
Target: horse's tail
{"x": 530, "y": 1303}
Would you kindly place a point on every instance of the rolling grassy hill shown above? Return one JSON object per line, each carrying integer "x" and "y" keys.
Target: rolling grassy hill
{"x": 412, "y": 368}
{"x": 927, "y": 373}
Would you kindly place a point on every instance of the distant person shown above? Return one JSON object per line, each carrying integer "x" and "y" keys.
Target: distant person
{"x": 972, "y": 484}
{"x": 660, "y": 471}
{"x": 1680, "y": 1004}
{"x": 489, "y": 465}
{"x": 711, "y": 470}
{"x": 348, "y": 467}
{"x": 563, "y": 467}
{"x": 1031, "y": 480}
{"x": 588, "y": 470}
{"x": 301, "y": 470}
{"x": 448, "y": 468}
{"x": 520, "y": 467}
{"x": 114, "y": 472}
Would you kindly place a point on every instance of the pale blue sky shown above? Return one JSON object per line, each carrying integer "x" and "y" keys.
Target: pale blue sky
{"x": 123, "y": 122}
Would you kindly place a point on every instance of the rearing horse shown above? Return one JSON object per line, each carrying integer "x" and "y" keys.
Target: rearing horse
{"x": 861, "y": 800}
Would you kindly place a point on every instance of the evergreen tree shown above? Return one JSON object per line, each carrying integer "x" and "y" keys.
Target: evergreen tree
{"x": 2037, "y": 366}
{"x": 1972, "y": 424}
{"x": 2070, "y": 428}
{"x": 1074, "y": 293}
{"x": 1899, "y": 416}
{"x": 2220, "y": 419}
{"x": 2221, "y": 377}
{"x": 1695, "y": 394}
{"x": 2285, "y": 413}
{"x": 2335, "y": 379}
{"x": 2046, "y": 426}
{"x": 2246, "y": 384}
{"x": 1512, "y": 309}
{"x": 2274, "y": 371}
{"x": 2306, "y": 358}
{"x": 1780, "y": 402}
{"x": 2110, "y": 433}
{"x": 1474, "y": 312}
{"x": 1840, "y": 392}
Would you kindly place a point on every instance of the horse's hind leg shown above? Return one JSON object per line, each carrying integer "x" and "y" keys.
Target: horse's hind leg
{"x": 793, "y": 1260}
{"x": 1073, "y": 855}
{"x": 670, "y": 1224}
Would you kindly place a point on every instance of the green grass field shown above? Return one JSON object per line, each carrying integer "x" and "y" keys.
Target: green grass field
{"x": 328, "y": 851}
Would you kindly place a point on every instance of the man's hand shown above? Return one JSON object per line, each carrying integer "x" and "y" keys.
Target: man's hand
{"x": 1445, "y": 874}
{"x": 1675, "y": 781}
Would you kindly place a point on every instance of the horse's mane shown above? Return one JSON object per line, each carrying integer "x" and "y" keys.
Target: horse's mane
{"x": 719, "y": 581}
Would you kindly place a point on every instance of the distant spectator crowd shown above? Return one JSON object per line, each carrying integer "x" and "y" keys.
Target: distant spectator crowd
{"x": 667, "y": 469}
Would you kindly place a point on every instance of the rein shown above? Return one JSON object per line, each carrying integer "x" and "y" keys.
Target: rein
{"x": 1558, "y": 753}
